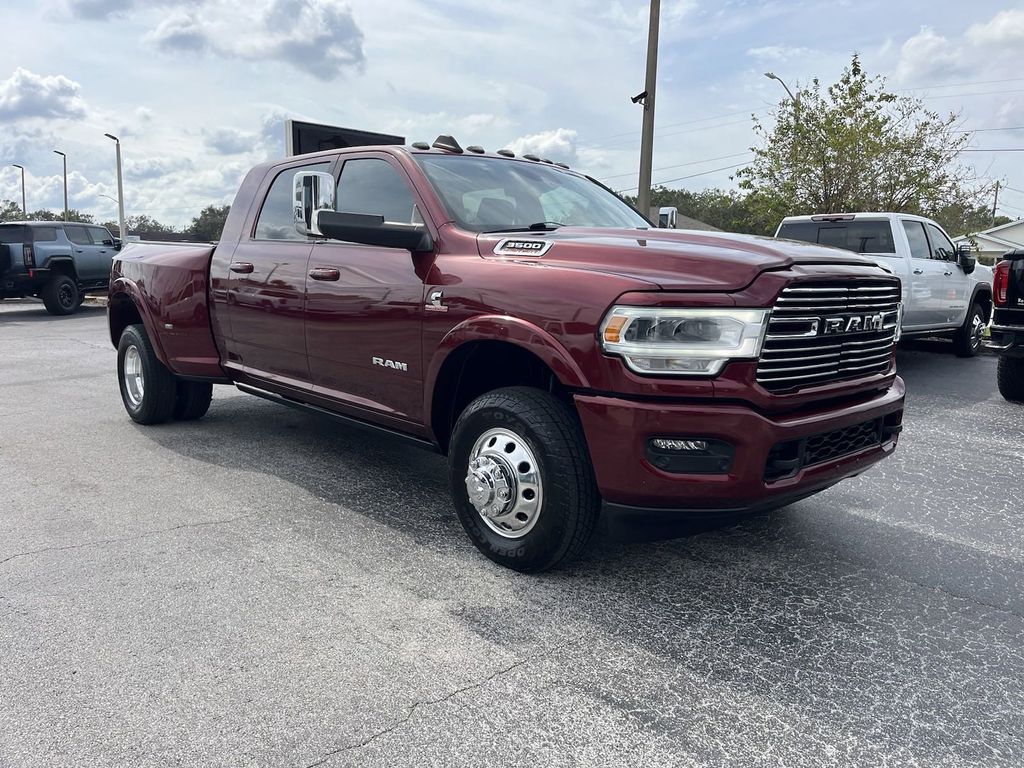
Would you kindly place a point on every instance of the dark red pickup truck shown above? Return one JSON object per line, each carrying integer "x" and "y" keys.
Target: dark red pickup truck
{"x": 520, "y": 318}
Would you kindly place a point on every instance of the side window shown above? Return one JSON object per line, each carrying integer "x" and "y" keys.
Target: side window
{"x": 77, "y": 235}
{"x": 275, "y": 220}
{"x": 942, "y": 248}
{"x": 44, "y": 234}
{"x": 373, "y": 186}
{"x": 100, "y": 236}
{"x": 918, "y": 242}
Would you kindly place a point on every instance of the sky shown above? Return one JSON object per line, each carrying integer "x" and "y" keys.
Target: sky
{"x": 198, "y": 90}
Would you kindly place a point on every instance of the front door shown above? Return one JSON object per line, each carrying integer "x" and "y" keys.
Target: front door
{"x": 265, "y": 290}
{"x": 925, "y": 304}
{"x": 92, "y": 261}
{"x": 364, "y": 304}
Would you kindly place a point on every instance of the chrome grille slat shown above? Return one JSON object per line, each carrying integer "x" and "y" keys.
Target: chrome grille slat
{"x": 792, "y": 359}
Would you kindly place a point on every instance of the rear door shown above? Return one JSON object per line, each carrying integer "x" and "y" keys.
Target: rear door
{"x": 364, "y": 303}
{"x": 266, "y": 287}
{"x": 91, "y": 261}
{"x": 957, "y": 286}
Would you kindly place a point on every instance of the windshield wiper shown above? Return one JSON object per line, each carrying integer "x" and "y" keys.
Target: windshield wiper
{"x": 539, "y": 226}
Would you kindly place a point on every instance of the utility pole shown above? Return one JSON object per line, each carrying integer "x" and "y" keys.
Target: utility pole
{"x": 647, "y": 140}
{"x": 58, "y": 152}
{"x": 995, "y": 203}
{"x": 122, "y": 234}
{"x": 24, "y": 208}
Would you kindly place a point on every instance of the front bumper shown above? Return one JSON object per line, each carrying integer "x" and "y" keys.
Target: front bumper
{"x": 618, "y": 432}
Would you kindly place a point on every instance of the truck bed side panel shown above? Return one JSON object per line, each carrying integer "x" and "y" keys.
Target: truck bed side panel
{"x": 168, "y": 286}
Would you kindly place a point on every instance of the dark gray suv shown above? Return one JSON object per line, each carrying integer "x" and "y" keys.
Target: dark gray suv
{"x": 56, "y": 261}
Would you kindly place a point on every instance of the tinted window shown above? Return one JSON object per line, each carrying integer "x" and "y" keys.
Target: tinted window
{"x": 77, "y": 235}
{"x": 276, "y": 217}
{"x": 44, "y": 234}
{"x": 942, "y": 248}
{"x": 12, "y": 233}
{"x": 856, "y": 236}
{"x": 490, "y": 195}
{"x": 918, "y": 242}
{"x": 375, "y": 187}
{"x": 100, "y": 236}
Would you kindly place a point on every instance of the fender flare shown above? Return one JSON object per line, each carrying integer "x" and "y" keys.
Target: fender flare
{"x": 122, "y": 286}
{"x": 511, "y": 330}
{"x": 61, "y": 258}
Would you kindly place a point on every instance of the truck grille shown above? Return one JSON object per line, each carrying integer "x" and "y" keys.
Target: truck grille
{"x": 827, "y": 331}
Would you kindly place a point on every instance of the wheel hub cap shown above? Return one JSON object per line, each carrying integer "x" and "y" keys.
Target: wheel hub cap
{"x": 134, "y": 381}
{"x": 503, "y": 483}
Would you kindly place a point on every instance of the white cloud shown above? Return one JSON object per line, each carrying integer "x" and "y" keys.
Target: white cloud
{"x": 780, "y": 52}
{"x": 558, "y": 145}
{"x": 180, "y": 32}
{"x": 25, "y": 94}
{"x": 1005, "y": 31}
{"x": 155, "y": 167}
{"x": 927, "y": 57}
{"x": 229, "y": 141}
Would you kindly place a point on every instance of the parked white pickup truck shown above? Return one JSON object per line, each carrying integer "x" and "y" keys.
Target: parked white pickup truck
{"x": 945, "y": 291}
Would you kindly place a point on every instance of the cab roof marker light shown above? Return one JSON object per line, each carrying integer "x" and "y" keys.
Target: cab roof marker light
{"x": 506, "y": 153}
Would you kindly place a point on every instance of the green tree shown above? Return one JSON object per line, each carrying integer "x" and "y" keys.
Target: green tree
{"x": 73, "y": 215}
{"x": 141, "y": 223}
{"x": 10, "y": 211}
{"x": 857, "y": 147}
{"x": 209, "y": 224}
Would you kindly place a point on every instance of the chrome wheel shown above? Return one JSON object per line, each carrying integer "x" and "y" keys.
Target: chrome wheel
{"x": 134, "y": 380}
{"x": 977, "y": 330}
{"x": 504, "y": 484}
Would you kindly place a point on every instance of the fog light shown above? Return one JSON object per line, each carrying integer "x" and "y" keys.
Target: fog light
{"x": 668, "y": 444}
{"x": 690, "y": 455}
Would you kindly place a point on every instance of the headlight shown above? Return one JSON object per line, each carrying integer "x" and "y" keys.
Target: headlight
{"x": 685, "y": 342}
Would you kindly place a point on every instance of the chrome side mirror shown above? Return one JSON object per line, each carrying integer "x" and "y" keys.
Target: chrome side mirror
{"x": 314, "y": 191}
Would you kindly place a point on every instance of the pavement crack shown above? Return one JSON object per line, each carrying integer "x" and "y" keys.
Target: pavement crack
{"x": 143, "y": 535}
{"x": 412, "y": 708}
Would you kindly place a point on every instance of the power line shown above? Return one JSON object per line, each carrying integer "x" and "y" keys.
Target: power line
{"x": 959, "y": 85}
{"x": 683, "y": 178}
{"x": 679, "y": 165}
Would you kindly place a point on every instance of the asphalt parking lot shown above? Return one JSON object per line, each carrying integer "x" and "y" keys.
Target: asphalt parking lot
{"x": 263, "y": 588}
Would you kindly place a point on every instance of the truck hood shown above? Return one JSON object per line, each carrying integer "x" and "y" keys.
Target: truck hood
{"x": 678, "y": 260}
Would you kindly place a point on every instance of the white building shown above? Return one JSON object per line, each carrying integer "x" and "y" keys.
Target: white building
{"x": 993, "y": 243}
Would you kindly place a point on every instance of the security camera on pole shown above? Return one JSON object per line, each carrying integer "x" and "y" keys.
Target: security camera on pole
{"x": 646, "y": 98}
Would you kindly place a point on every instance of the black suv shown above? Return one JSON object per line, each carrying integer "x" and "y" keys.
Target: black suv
{"x": 1008, "y": 324}
{"x": 56, "y": 261}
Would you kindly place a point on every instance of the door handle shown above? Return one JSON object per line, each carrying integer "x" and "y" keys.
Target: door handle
{"x": 918, "y": 271}
{"x": 79, "y": 250}
{"x": 947, "y": 274}
{"x": 325, "y": 273}
{"x": 242, "y": 267}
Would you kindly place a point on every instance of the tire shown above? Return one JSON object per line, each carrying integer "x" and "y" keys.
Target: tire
{"x": 148, "y": 391}
{"x": 60, "y": 295}
{"x": 529, "y": 444}
{"x": 1010, "y": 378}
{"x": 967, "y": 338}
{"x": 192, "y": 400}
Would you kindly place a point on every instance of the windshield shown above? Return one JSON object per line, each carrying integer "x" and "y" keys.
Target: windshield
{"x": 857, "y": 236}
{"x": 484, "y": 194}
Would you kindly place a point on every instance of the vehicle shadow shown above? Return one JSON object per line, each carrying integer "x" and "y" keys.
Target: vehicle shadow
{"x": 814, "y": 609}
{"x": 17, "y": 311}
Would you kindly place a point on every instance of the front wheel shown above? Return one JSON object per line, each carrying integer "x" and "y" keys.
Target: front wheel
{"x": 148, "y": 389}
{"x": 1010, "y": 378}
{"x": 968, "y": 337}
{"x": 521, "y": 479}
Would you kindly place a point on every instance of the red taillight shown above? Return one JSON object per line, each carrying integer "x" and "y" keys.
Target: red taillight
{"x": 28, "y": 254}
{"x": 1001, "y": 283}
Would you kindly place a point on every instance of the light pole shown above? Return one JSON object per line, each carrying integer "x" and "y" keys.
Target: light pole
{"x": 643, "y": 197}
{"x": 58, "y": 152}
{"x": 24, "y": 209}
{"x": 120, "y": 189}
{"x": 794, "y": 99}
